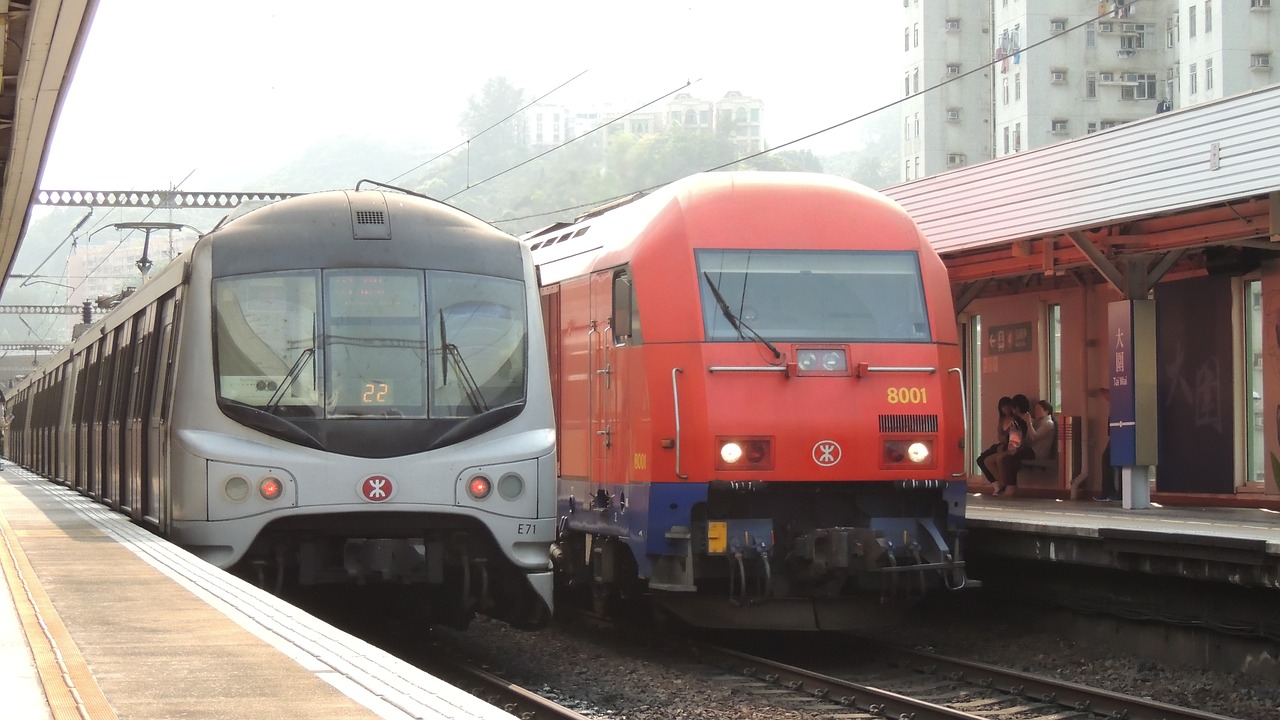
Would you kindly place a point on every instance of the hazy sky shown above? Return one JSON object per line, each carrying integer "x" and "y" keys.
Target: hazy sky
{"x": 231, "y": 90}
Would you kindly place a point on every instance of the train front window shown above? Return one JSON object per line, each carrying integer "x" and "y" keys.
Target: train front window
{"x": 476, "y": 323}
{"x": 264, "y": 331}
{"x": 375, "y": 343}
{"x": 361, "y": 343}
{"x": 803, "y": 296}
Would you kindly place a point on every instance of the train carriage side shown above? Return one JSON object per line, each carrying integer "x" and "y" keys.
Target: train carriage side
{"x": 758, "y": 415}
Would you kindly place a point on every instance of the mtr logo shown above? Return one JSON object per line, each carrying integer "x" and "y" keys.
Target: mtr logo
{"x": 377, "y": 488}
{"x": 826, "y": 452}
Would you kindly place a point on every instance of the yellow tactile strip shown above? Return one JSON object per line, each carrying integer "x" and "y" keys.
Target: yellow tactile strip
{"x": 68, "y": 684}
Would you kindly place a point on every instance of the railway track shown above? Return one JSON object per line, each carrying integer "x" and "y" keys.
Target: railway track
{"x": 925, "y": 686}
{"x": 518, "y": 701}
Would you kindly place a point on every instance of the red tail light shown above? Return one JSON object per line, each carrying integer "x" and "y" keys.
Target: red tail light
{"x": 270, "y": 487}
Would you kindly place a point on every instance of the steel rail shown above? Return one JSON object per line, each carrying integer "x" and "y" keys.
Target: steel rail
{"x": 842, "y": 692}
{"x": 511, "y": 698}
{"x": 1043, "y": 689}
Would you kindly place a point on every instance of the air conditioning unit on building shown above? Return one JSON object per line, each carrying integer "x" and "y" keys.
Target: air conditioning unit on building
{"x": 1059, "y": 76}
{"x": 953, "y": 114}
{"x": 955, "y": 159}
{"x": 1124, "y": 53}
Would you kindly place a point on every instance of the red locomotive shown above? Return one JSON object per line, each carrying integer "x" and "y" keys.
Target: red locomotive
{"x": 759, "y": 401}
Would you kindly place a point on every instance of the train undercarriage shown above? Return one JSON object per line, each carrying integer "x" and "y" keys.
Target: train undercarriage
{"x": 784, "y": 556}
{"x": 446, "y": 575}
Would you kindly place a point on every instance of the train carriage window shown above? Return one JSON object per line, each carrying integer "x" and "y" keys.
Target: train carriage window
{"x": 801, "y": 296}
{"x": 625, "y": 318}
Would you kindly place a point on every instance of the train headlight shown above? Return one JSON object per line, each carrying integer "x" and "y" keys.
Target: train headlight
{"x": 479, "y": 487}
{"x": 908, "y": 453}
{"x": 822, "y": 361}
{"x": 510, "y": 486}
{"x": 744, "y": 453}
{"x": 270, "y": 487}
{"x": 236, "y": 489}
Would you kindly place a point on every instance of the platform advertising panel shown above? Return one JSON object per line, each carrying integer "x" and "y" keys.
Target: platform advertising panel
{"x": 1197, "y": 432}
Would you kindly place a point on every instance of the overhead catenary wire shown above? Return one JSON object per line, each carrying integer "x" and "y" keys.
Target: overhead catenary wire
{"x": 113, "y": 250}
{"x": 514, "y": 113}
{"x": 808, "y": 136}
{"x": 59, "y": 246}
{"x": 572, "y": 140}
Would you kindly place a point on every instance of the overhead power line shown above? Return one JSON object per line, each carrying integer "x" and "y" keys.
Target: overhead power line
{"x": 992, "y": 63}
{"x": 530, "y": 104}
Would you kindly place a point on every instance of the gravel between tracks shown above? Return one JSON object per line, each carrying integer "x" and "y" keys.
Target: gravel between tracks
{"x": 602, "y": 676}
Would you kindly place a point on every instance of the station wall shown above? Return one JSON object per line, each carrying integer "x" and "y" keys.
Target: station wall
{"x": 1013, "y": 351}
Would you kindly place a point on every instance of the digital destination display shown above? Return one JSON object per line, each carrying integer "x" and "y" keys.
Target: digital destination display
{"x": 380, "y": 295}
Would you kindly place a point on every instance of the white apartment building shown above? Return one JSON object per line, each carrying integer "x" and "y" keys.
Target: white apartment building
{"x": 737, "y": 116}
{"x": 1065, "y": 68}
{"x": 946, "y": 114}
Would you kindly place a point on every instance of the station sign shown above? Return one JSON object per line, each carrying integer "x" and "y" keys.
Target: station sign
{"x": 1131, "y": 358}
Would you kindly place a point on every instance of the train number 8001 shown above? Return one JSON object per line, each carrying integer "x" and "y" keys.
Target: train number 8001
{"x": 907, "y": 396}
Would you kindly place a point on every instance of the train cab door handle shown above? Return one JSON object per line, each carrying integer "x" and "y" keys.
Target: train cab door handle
{"x": 607, "y": 372}
{"x": 608, "y": 436}
{"x": 964, "y": 414}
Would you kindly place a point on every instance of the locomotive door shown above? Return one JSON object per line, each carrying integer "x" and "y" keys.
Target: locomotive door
{"x": 604, "y": 387}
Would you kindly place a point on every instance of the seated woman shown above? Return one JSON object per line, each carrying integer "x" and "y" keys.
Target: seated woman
{"x": 1039, "y": 431}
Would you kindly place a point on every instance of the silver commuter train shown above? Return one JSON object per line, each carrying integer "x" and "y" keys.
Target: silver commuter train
{"x": 346, "y": 387}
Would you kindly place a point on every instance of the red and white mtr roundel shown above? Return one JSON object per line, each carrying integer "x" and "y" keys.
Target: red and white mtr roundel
{"x": 826, "y": 452}
{"x": 377, "y": 488}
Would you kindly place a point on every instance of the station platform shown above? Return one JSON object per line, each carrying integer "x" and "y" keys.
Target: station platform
{"x": 102, "y": 619}
{"x": 1240, "y": 546}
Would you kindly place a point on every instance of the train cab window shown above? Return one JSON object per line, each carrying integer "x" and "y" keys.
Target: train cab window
{"x": 478, "y": 333}
{"x": 625, "y": 318}
{"x": 370, "y": 343}
{"x": 803, "y": 295}
{"x": 265, "y": 330}
{"x": 375, "y": 343}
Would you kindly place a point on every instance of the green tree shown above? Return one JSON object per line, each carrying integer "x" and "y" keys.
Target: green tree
{"x": 789, "y": 160}
{"x": 876, "y": 163}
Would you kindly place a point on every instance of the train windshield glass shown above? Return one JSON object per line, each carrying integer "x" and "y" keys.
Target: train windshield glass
{"x": 477, "y": 325}
{"x": 264, "y": 331}
{"x": 801, "y": 295}
{"x": 370, "y": 343}
{"x": 375, "y": 343}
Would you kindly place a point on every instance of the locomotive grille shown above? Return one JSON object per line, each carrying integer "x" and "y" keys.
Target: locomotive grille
{"x": 370, "y": 217}
{"x": 908, "y": 423}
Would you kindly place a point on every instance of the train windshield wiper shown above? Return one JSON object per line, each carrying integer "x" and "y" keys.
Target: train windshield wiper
{"x": 465, "y": 378}
{"x": 737, "y": 323}
{"x": 289, "y": 379}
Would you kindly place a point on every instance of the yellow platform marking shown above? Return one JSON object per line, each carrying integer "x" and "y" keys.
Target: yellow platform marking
{"x": 68, "y": 684}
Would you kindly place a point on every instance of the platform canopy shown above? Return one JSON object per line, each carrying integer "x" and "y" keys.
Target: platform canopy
{"x": 42, "y": 43}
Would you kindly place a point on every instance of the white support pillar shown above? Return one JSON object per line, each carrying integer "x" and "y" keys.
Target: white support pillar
{"x": 1135, "y": 488}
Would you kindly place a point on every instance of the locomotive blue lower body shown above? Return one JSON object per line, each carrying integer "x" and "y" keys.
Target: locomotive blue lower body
{"x": 782, "y": 555}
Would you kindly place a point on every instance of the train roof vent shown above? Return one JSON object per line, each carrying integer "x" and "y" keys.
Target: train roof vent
{"x": 369, "y": 217}
{"x": 908, "y": 423}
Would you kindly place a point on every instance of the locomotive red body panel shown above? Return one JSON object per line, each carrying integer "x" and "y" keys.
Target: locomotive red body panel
{"x": 757, "y": 379}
